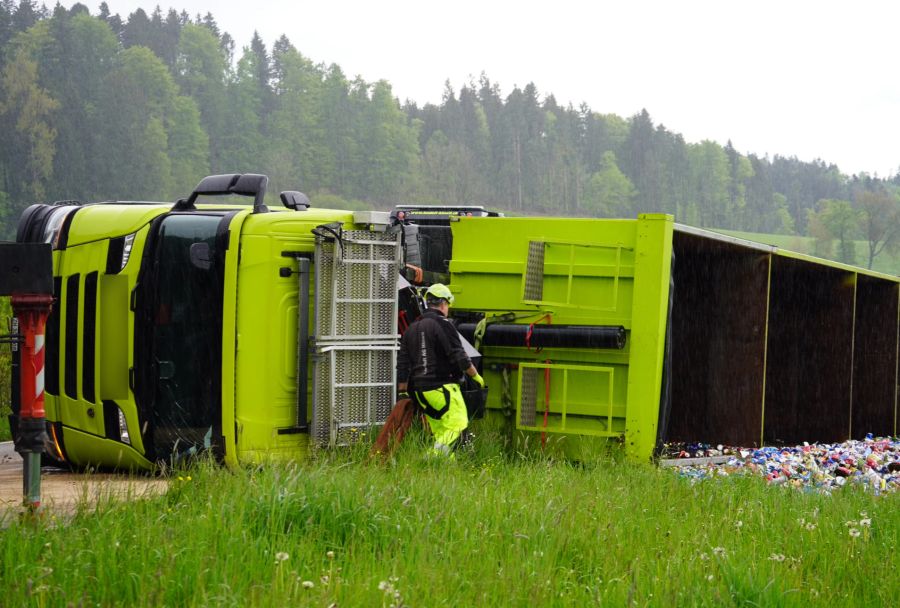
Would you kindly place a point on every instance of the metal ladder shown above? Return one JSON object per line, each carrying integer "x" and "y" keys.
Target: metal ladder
{"x": 356, "y": 339}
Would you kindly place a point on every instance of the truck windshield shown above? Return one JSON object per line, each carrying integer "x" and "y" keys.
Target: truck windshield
{"x": 178, "y": 337}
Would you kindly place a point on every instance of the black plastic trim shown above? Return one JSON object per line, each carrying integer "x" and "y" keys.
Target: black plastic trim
{"x": 89, "y": 333}
{"x": 71, "y": 360}
{"x": 51, "y": 343}
{"x": 114, "y": 255}
{"x": 111, "y": 420}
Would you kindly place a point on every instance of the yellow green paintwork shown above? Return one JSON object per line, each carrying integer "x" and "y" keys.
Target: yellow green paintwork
{"x": 595, "y": 272}
{"x": 265, "y": 344}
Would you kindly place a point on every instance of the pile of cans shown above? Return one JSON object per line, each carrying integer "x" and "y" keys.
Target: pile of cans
{"x": 873, "y": 463}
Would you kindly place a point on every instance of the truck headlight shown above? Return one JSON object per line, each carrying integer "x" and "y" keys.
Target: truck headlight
{"x": 123, "y": 429}
{"x": 126, "y": 248}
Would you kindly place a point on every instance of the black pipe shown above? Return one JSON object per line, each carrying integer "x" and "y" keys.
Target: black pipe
{"x": 548, "y": 336}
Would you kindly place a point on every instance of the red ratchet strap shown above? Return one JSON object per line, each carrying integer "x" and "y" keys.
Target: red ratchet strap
{"x": 546, "y": 402}
{"x": 530, "y": 331}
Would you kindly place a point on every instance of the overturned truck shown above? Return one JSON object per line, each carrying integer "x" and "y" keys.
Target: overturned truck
{"x": 253, "y": 333}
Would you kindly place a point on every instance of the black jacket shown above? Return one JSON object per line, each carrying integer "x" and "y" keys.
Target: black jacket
{"x": 431, "y": 354}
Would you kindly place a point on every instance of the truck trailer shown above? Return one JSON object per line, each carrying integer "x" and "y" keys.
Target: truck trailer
{"x": 253, "y": 333}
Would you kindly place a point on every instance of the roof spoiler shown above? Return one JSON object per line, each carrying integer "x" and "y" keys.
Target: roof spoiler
{"x": 247, "y": 184}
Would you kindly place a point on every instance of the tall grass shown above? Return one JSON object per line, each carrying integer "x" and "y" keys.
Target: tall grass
{"x": 483, "y": 530}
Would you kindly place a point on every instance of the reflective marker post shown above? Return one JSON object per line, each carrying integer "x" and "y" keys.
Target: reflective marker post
{"x": 31, "y": 311}
{"x": 26, "y": 273}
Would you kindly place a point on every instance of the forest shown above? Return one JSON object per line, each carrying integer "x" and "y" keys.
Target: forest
{"x": 140, "y": 107}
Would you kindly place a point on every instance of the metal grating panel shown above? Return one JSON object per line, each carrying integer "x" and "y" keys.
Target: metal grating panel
{"x": 528, "y": 411}
{"x": 534, "y": 272}
{"x": 356, "y": 334}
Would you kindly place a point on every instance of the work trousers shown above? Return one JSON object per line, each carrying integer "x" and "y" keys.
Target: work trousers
{"x": 446, "y": 413}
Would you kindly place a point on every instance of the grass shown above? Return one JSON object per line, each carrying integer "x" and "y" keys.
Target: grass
{"x": 484, "y": 530}
{"x": 885, "y": 262}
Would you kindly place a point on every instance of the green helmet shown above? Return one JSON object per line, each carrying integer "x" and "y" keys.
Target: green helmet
{"x": 439, "y": 291}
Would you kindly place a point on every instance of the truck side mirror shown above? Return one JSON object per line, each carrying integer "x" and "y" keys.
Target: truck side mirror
{"x": 295, "y": 200}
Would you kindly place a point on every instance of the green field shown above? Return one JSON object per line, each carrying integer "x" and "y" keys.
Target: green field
{"x": 488, "y": 529}
{"x": 884, "y": 262}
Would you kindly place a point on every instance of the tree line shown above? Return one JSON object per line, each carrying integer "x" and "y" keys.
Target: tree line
{"x": 100, "y": 107}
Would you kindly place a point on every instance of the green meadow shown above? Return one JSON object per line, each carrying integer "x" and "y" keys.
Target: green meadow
{"x": 490, "y": 528}
{"x": 886, "y": 261}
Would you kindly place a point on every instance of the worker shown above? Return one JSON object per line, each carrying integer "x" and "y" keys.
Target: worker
{"x": 430, "y": 366}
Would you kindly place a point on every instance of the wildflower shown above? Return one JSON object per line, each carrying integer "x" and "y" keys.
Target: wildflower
{"x": 810, "y": 526}
{"x": 330, "y": 554}
{"x": 865, "y": 522}
{"x": 719, "y": 551}
{"x": 704, "y": 557}
{"x": 738, "y": 524}
{"x": 863, "y": 514}
{"x": 854, "y": 533}
{"x": 801, "y": 521}
{"x": 850, "y": 523}
{"x": 281, "y": 556}
{"x": 307, "y": 584}
{"x": 710, "y": 577}
{"x": 777, "y": 557}
{"x": 325, "y": 579}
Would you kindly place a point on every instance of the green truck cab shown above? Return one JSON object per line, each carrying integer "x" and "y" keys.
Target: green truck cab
{"x": 175, "y": 328}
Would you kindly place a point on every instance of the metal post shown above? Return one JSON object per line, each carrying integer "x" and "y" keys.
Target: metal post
{"x": 31, "y": 311}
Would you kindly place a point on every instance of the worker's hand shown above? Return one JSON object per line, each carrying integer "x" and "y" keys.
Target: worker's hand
{"x": 477, "y": 378}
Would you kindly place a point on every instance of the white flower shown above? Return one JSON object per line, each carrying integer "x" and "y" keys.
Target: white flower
{"x": 330, "y": 555}
{"x": 281, "y": 556}
{"x": 307, "y": 584}
{"x": 776, "y": 557}
{"x": 719, "y": 551}
{"x": 853, "y": 532}
{"x": 738, "y": 524}
{"x": 865, "y": 522}
{"x": 810, "y": 526}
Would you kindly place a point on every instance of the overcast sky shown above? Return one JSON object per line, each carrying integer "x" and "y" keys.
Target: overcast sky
{"x": 812, "y": 79}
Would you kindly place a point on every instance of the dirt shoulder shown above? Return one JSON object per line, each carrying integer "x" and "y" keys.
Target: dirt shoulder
{"x": 62, "y": 491}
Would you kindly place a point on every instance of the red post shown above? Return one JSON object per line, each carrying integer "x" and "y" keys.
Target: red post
{"x": 31, "y": 311}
